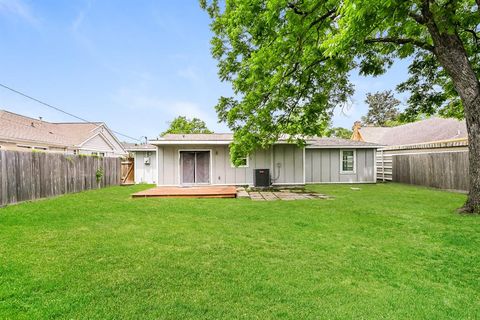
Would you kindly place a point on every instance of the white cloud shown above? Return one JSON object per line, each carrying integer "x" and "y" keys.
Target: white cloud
{"x": 18, "y": 8}
{"x": 142, "y": 101}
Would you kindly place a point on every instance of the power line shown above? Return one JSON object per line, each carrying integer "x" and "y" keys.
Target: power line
{"x": 62, "y": 111}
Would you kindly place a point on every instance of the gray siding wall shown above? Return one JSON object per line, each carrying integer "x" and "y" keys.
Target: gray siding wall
{"x": 323, "y": 166}
{"x": 145, "y": 173}
{"x": 287, "y": 159}
{"x": 222, "y": 170}
{"x": 288, "y": 165}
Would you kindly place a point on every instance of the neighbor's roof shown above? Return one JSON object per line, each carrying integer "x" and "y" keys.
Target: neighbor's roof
{"x": 15, "y": 127}
{"x": 428, "y": 130}
{"x": 227, "y": 138}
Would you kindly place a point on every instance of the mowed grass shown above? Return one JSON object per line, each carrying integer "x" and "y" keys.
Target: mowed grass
{"x": 385, "y": 251}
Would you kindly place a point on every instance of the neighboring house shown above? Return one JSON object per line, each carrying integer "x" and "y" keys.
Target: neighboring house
{"x": 22, "y": 133}
{"x": 431, "y": 152}
{"x": 423, "y": 131}
{"x": 195, "y": 159}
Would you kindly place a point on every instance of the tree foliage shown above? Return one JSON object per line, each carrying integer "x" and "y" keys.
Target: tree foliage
{"x": 431, "y": 90}
{"x": 289, "y": 62}
{"x": 182, "y": 124}
{"x": 382, "y": 108}
{"x": 339, "y": 132}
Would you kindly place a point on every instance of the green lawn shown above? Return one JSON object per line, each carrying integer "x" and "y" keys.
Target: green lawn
{"x": 385, "y": 251}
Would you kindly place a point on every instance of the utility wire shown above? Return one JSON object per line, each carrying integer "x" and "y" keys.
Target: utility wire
{"x": 62, "y": 111}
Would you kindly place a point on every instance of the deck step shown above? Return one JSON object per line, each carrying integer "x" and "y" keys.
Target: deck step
{"x": 188, "y": 192}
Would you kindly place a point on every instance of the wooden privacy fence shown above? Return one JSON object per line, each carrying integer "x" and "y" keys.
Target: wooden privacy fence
{"x": 445, "y": 170}
{"x": 33, "y": 175}
{"x": 128, "y": 167}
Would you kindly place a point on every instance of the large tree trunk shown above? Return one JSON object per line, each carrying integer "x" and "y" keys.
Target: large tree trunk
{"x": 452, "y": 56}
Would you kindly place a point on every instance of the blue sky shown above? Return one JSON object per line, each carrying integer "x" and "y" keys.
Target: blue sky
{"x": 132, "y": 64}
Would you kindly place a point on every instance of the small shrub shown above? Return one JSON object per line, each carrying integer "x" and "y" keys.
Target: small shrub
{"x": 99, "y": 174}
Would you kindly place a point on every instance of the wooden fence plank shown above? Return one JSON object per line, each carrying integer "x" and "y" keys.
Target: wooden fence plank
{"x": 33, "y": 175}
{"x": 445, "y": 170}
{"x": 3, "y": 178}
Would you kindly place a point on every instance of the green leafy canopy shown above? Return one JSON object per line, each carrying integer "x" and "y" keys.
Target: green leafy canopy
{"x": 182, "y": 124}
{"x": 382, "y": 108}
{"x": 289, "y": 60}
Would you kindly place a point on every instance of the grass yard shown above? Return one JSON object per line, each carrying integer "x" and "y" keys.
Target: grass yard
{"x": 385, "y": 251}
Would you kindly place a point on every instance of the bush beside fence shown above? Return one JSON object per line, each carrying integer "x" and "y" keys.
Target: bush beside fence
{"x": 33, "y": 175}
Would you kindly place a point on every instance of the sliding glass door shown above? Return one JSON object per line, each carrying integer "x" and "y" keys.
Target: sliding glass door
{"x": 195, "y": 167}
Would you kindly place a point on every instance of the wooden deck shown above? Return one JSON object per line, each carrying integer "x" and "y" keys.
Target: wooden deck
{"x": 188, "y": 192}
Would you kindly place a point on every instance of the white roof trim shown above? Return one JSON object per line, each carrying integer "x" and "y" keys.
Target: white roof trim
{"x": 140, "y": 149}
{"x": 103, "y": 126}
{"x": 188, "y": 142}
{"x": 342, "y": 147}
{"x": 95, "y": 135}
{"x": 227, "y": 142}
{"x": 114, "y": 137}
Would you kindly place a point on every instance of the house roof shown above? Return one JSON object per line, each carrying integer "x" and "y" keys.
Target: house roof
{"x": 198, "y": 137}
{"x": 227, "y": 138}
{"x": 428, "y": 130}
{"x": 15, "y": 127}
{"x": 138, "y": 146}
{"x": 338, "y": 142}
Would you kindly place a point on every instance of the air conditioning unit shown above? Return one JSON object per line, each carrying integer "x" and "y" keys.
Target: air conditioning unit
{"x": 261, "y": 178}
{"x": 146, "y": 161}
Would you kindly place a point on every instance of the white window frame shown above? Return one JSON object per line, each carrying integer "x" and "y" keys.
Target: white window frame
{"x": 232, "y": 165}
{"x": 354, "y": 161}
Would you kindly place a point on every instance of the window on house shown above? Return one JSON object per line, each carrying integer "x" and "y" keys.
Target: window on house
{"x": 347, "y": 161}
{"x": 243, "y": 163}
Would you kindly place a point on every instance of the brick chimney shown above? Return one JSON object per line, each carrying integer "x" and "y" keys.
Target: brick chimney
{"x": 357, "y": 125}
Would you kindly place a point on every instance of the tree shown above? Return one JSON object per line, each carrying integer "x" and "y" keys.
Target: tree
{"x": 289, "y": 63}
{"x": 182, "y": 124}
{"x": 339, "y": 132}
{"x": 382, "y": 108}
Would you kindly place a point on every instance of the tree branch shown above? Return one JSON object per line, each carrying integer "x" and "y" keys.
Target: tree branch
{"x": 297, "y": 10}
{"x": 328, "y": 14}
{"x": 474, "y": 34}
{"x": 402, "y": 41}
{"x": 418, "y": 18}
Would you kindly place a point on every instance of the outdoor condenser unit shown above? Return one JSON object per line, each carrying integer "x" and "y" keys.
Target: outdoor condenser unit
{"x": 261, "y": 178}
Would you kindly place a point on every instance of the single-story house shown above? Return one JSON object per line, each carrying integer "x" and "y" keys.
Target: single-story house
{"x": 197, "y": 159}
{"x": 21, "y": 133}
